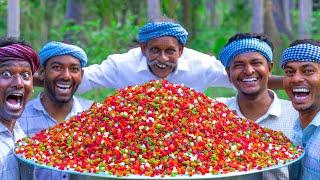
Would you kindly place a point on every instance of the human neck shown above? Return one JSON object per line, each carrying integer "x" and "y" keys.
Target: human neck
{"x": 8, "y": 124}
{"x": 307, "y": 116}
{"x": 58, "y": 111}
{"x": 255, "y": 106}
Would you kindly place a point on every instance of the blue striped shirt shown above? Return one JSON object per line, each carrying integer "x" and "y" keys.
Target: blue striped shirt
{"x": 9, "y": 165}
{"x": 35, "y": 118}
{"x": 309, "y": 166}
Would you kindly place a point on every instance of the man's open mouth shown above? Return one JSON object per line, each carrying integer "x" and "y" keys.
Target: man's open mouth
{"x": 63, "y": 87}
{"x": 14, "y": 100}
{"x": 300, "y": 93}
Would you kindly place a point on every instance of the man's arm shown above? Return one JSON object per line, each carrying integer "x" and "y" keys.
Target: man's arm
{"x": 275, "y": 82}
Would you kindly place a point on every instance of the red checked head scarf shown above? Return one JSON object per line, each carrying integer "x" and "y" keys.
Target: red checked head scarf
{"x": 21, "y": 53}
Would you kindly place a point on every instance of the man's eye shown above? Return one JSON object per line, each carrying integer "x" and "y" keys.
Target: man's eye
{"x": 171, "y": 51}
{"x": 288, "y": 72}
{"x": 75, "y": 69}
{"x": 6, "y": 74}
{"x": 56, "y": 67}
{"x": 154, "y": 50}
{"x": 237, "y": 65}
{"x": 26, "y": 75}
{"x": 257, "y": 63}
{"x": 308, "y": 71}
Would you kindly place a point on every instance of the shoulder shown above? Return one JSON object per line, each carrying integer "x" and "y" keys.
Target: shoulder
{"x": 30, "y": 107}
{"x": 199, "y": 60}
{"x": 196, "y": 55}
{"x": 287, "y": 105}
{"x": 226, "y": 100}
{"x": 132, "y": 54}
{"x": 84, "y": 103}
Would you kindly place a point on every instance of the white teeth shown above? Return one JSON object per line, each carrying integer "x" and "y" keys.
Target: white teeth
{"x": 16, "y": 104}
{"x": 162, "y": 66}
{"x": 301, "y": 90}
{"x": 63, "y": 86}
{"x": 17, "y": 94}
{"x": 249, "y": 79}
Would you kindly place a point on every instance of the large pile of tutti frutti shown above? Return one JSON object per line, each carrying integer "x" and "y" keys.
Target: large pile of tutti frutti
{"x": 156, "y": 129}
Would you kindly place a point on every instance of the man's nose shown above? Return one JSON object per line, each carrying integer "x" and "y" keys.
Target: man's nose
{"x": 66, "y": 74}
{"x": 248, "y": 69}
{"x": 296, "y": 77}
{"x": 17, "y": 81}
{"x": 163, "y": 57}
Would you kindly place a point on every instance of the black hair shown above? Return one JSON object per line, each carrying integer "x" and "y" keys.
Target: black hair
{"x": 6, "y": 41}
{"x": 305, "y": 41}
{"x": 260, "y": 36}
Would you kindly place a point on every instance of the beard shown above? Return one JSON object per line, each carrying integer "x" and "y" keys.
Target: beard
{"x": 54, "y": 97}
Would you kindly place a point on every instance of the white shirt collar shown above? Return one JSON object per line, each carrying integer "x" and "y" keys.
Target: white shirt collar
{"x": 274, "y": 109}
{"x": 3, "y": 128}
{"x": 316, "y": 120}
{"x": 76, "y": 107}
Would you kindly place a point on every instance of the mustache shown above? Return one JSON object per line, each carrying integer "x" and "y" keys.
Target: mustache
{"x": 168, "y": 63}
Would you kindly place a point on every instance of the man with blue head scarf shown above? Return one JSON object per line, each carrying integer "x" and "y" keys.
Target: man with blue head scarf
{"x": 162, "y": 55}
{"x": 61, "y": 71}
{"x": 247, "y": 58}
{"x": 301, "y": 64}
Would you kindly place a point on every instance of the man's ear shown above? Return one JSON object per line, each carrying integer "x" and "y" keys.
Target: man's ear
{"x": 143, "y": 47}
{"x": 82, "y": 73}
{"x": 181, "y": 50}
{"x": 228, "y": 72}
{"x": 41, "y": 73}
{"x": 270, "y": 66}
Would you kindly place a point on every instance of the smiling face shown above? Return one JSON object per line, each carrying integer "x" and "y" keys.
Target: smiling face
{"x": 302, "y": 84}
{"x": 16, "y": 87}
{"x": 162, "y": 55}
{"x": 249, "y": 73}
{"x": 62, "y": 76}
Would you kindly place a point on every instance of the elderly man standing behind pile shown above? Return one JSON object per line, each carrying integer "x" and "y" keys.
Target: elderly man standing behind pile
{"x": 162, "y": 55}
{"x": 61, "y": 71}
{"x": 18, "y": 62}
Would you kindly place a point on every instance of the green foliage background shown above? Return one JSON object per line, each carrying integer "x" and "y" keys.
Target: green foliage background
{"x": 111, "y": 26}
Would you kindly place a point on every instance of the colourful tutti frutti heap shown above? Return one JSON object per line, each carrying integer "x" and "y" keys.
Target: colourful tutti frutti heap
{"x": 158, "y": 129}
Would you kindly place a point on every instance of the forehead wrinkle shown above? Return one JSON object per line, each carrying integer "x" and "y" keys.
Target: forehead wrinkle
{"x": 14, "y": 64}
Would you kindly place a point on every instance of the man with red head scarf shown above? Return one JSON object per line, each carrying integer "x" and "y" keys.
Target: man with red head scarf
{"x": 18, "y": 63}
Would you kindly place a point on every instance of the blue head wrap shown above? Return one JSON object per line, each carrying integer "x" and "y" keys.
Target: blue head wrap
{"x": 53, "y": 49}
{"x": 301, "y": 53}
{"x": 237, "y": 47}
{"x": 154, "y": 30}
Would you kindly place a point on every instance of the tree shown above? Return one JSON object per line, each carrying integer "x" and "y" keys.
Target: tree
{"x": 282, "y": 17}
{"x": 257, "y": 16}
{"x": 305, "y": 10}
{"x": 73, "y": 16}
{"x": 270, "y": 28}
{"x": 153, "y": 9}
{"x": 211, "y": 13}
{"x": 13, "y": 18}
